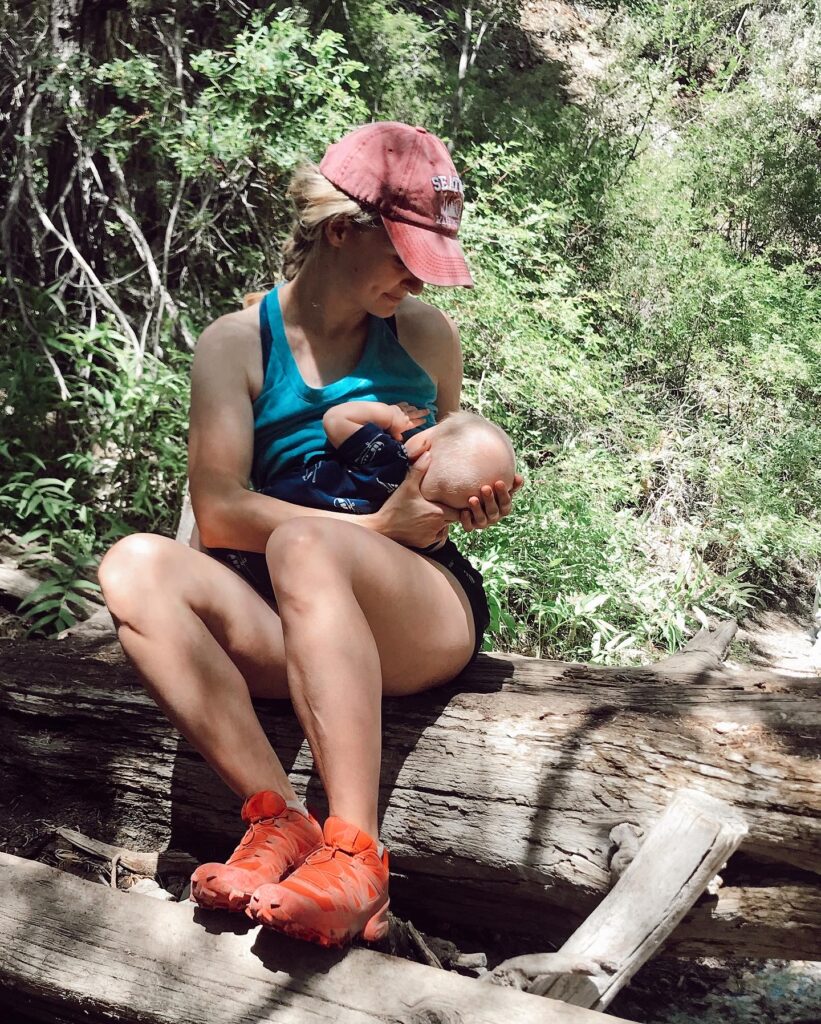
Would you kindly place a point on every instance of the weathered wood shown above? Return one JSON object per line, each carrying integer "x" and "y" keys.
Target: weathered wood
{"x": 77, "y": 951}
{"x": 187, "y": 524}
{"x": 15, "y": 582}
{"x": 498, "y": 792}
{"x": 706, "y": 650}
{"x": 776, "y": 922}
{"x": 681, "y": 854}
{"x": 99, "y": 624}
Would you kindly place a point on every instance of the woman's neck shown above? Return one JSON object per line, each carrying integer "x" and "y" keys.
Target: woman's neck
{"x": 316, "y": 304}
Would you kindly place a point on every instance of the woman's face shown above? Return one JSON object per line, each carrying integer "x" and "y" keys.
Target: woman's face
{"x": 372, "y": 271}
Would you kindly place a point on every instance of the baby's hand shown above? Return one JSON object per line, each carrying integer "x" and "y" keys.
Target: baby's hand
{"x": 404, "y": 417}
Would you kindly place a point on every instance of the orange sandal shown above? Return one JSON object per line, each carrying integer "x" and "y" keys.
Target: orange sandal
{"x": 279, "y": 838}
{"x": 339, "y": 893}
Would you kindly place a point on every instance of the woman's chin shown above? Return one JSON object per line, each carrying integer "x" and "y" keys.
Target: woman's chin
{"x": 390, "y": 302}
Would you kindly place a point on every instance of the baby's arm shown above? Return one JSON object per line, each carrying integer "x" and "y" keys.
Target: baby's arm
{"x": 342, "y": 421}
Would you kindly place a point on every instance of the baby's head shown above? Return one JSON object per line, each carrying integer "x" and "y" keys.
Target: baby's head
{"x": 466, "y": 451}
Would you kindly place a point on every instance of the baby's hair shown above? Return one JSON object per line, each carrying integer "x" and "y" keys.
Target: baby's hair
{"x": 459, "y": 462}
{"x": 315, "y": 201}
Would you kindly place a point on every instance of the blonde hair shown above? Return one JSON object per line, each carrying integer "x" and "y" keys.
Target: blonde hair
{"x": 316, "y": 201}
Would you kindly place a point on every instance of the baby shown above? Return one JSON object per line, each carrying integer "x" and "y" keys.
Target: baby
{"x": 368, "y": 459}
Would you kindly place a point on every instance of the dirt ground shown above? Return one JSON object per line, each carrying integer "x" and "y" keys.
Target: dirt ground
{"x": 780, "y": 639}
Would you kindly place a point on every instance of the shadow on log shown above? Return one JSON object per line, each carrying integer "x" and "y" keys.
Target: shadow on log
{"x": 498, "y": 794}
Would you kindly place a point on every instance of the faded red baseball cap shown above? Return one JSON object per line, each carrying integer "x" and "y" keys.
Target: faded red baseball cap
{"x": 407, "y": 175}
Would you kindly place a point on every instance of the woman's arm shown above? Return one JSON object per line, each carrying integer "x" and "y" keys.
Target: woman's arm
{"x": 227, "y": 364}
{"x": 221, "y": 441}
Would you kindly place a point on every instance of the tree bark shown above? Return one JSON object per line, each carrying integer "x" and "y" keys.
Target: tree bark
{"x": 498, "y": 791}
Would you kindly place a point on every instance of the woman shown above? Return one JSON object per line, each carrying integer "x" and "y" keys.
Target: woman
{"x": 357, "y": 613}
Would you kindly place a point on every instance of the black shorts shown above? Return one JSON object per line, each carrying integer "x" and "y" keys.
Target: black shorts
{"x": 251, "y": 565}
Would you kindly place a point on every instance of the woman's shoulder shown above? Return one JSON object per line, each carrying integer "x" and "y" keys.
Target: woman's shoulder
{"x": 233, "y": 337}
{"x": 420, "y": 320}
{"x": 232, "y": 328}
{"x": 429, "y": 335}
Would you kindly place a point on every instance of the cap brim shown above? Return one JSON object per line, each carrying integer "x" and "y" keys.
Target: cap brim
{"x": 433, "y": 258}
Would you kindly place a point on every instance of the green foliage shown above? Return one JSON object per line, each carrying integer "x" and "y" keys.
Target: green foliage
{"x": 58, "y": 602}
{"x": 114, "y": 455}
{"x": 403, "y": 76}
{"x": 646, "y": 323}
{"x": 662, "y": 384}
{"x": 273, "y": 97}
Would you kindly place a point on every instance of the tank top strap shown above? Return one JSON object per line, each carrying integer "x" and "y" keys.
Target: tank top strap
{"x": 265, "y": 336}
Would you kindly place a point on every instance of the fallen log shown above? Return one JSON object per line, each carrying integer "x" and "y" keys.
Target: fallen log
{"x": 76, "y": 951}
{"x": 498, "y": 792}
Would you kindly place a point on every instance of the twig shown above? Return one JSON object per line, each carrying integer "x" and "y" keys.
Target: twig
{"x": 169, "y": 228}
{"x": 5, "y": 234}
{"x": 68, "y": 242}
{"x": 429, "y": 956}
{"x": 134, "y": 860}
{"x": 142, "y": 247}
{"x": 115, "y": 860}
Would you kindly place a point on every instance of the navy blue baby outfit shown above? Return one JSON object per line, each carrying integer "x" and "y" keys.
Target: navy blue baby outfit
{"x": 357, "y": 477}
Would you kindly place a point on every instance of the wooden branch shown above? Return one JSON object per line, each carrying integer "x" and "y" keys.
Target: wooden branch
{"x": 143, "y": 248}
{"x": 99, "y": 288}
{"x": 142, "y": 863}
{"x": 16, "y": 582}
{"x": 11, "y": 210}
{"x": 66, "y": 239}
{"x": 75, "y": 949}
{"x": 99, "y": 625}
{"x": 768, "y": 922}
{"x": 682, "y": 853}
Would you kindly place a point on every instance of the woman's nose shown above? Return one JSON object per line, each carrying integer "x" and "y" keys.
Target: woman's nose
{"x": 413, "y": 284}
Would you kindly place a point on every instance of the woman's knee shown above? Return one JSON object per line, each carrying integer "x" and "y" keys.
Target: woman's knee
{"x": 134, "y": 565}
{"x": 305, "y": 551}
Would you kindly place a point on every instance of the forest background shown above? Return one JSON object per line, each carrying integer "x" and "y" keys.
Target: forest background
{"x": 643, "y": 221}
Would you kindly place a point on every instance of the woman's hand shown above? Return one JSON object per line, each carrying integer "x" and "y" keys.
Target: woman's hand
{"x": 493, "y": 503}
{"x": 409, "y": 518}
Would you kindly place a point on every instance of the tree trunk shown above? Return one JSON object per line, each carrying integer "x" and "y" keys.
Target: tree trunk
{"x": 498, "y": 791}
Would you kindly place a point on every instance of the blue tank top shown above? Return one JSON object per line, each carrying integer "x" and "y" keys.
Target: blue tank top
{"x": 288, "y": 413}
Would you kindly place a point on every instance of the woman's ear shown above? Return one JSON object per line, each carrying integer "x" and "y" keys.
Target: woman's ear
{"x": 336, "y": 230}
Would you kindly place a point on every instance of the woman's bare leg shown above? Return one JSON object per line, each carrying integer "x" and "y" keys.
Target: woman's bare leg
{"x": 361, "y": 615}
{"x": 199, "y": 637}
